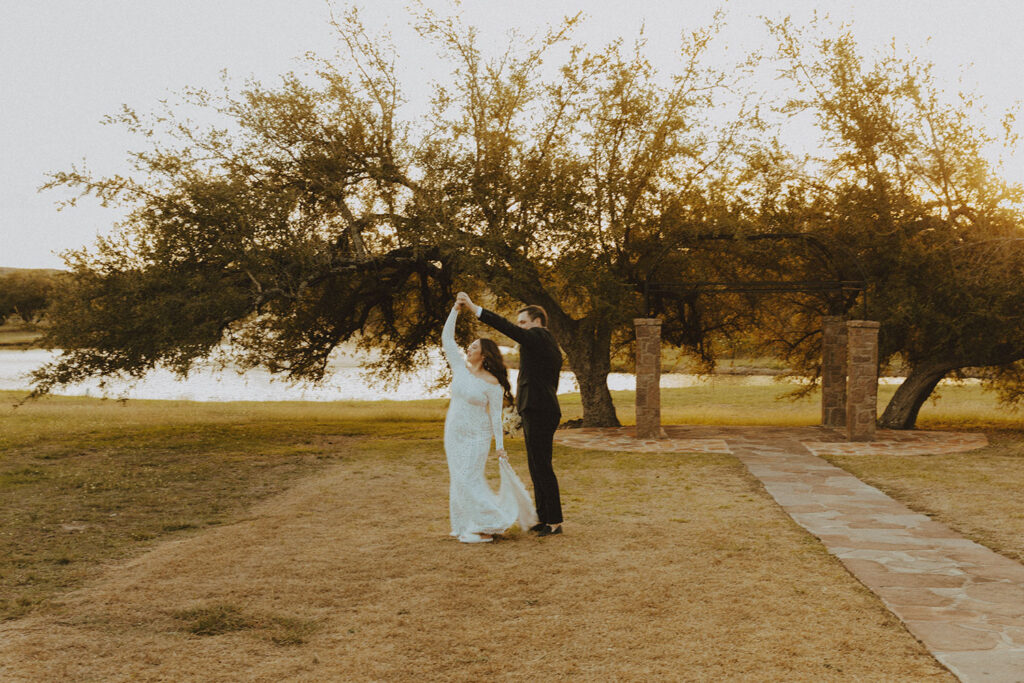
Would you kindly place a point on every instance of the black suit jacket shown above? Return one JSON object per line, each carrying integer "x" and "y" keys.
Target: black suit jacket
{"x": 540, "y": 362}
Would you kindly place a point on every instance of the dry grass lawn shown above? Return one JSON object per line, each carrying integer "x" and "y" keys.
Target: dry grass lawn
{"x": 84, "y": 482}
{"x": 977, "y": 493}
{"x": 672, "y": 568}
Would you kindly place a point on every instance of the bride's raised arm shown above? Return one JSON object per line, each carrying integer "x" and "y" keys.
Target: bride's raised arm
{"x": 452, "y": 352}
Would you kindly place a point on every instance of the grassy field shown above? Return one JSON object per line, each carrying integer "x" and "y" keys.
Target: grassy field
{"x": 85, "y": 481}
{"x": 310, "y": 541}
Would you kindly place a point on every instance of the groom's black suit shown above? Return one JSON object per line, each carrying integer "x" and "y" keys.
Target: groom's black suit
{"x": 540, "y": 362}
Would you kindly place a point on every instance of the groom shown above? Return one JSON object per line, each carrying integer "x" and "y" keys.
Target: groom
{"x": 540, "y": 362}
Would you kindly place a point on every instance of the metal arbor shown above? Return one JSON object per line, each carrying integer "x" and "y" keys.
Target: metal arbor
{"x": 852, "y": 284}
{"x": 849, "y": 348}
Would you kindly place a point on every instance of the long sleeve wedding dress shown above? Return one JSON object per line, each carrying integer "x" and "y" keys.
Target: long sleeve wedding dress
{"x": 474, "y": 416}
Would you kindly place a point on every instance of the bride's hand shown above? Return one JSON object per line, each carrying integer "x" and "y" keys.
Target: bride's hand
{"x": 462, "y": 299}
{"x": 502, "y": 455}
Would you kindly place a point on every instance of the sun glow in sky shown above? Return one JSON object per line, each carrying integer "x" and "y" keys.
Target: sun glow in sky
{"x": 67, "y": 63}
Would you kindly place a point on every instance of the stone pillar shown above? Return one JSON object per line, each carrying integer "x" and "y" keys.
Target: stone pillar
{"x": 648, "y": 378}
{"x": 833, "y": 371}
{"x": 862, "y": 382}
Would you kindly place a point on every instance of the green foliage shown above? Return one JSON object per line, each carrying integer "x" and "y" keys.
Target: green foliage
{"x": 902, "y": 181}
{"x": 315, "y": 214}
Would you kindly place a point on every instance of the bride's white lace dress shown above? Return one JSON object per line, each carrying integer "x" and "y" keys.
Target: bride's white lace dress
{"x": 474, "y": 417}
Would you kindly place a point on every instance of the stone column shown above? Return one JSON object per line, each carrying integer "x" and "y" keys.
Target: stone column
{"x": 648, "y": 378}
{"x": 862, "y": 382}
{"x": 833, "y": 371}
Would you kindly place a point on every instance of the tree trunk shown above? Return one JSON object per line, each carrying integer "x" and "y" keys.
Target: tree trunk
{"x": 901, "y": 413}
{"x": 598, "y": 409}
{"x": 588, "y": 349}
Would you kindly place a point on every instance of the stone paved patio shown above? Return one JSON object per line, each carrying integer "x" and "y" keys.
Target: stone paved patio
{"x": 963, "y": 601}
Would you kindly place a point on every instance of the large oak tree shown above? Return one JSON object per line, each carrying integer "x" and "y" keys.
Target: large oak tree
{"x": 902, "y": 179}
{"x": 325, "y": 212}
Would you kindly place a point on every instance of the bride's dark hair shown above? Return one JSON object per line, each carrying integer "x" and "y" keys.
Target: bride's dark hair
{"x": 495, "y": 364}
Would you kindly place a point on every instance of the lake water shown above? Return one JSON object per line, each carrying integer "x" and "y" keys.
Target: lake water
{"x": 346, "y": 382}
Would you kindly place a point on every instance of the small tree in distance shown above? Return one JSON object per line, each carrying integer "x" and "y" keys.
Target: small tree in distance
{"x": 27, "y": 293}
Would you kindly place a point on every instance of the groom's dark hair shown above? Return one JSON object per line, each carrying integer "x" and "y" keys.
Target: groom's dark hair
{"x": 536, "y": 313}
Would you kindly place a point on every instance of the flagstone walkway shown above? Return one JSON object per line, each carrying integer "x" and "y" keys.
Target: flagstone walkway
{"x": 963, "y": 601}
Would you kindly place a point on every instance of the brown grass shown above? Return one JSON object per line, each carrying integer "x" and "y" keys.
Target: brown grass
{"x": 84, "y": 482}
{"x": 672, "y": 567}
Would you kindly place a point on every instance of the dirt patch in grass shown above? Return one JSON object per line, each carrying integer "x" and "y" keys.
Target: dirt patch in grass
{"x": 215, "y": 620}
{"x": 671, "y": 568}
{"x": 976, "y": 493}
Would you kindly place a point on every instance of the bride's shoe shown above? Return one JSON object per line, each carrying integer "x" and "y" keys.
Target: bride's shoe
{"x": 474, "y": 538}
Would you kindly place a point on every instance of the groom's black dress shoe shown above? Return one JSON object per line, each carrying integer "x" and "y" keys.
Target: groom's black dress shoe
{"x": 549, "y": 530}
{"x": 537, "y": 527}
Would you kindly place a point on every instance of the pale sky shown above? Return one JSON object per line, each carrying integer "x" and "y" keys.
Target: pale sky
{"x": 67, "y": 63}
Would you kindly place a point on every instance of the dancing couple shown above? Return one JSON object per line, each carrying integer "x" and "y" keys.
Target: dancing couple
{"x": 480, "y": 389}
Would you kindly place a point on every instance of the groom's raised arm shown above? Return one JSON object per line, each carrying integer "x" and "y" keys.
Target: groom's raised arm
{"x": 510, "y": 330}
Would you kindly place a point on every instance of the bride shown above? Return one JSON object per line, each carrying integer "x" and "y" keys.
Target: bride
{"x": 479, "y": 389}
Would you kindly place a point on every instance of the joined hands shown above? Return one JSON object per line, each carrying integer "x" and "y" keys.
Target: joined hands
{"x": 464, "y": 303}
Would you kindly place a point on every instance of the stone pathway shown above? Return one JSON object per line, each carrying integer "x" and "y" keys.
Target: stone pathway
{"x": 963, "y": 601}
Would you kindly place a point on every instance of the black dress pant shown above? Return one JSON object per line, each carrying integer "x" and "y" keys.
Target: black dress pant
{"x": 539, "y": 433}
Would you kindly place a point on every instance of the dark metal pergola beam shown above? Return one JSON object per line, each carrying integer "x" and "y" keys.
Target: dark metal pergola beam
{"x": 827, "y": 251}
{"x": 765, "y": 286}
